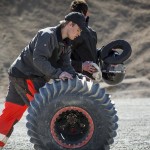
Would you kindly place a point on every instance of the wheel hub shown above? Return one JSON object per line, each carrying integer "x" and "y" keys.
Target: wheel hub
{"x": 72, "y": 127}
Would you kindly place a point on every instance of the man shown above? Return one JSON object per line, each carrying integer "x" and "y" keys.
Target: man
{"x": 84, "y": 47}
{"x": 46, "y": 57}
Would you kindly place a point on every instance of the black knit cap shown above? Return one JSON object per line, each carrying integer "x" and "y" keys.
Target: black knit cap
{"x": 76, "y": 18}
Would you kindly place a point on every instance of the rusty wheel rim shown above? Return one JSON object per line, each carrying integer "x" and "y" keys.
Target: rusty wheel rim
{"x": 72, "y": 127}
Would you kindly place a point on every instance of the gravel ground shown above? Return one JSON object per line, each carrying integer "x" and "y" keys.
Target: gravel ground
{"x": 133, "y": 131}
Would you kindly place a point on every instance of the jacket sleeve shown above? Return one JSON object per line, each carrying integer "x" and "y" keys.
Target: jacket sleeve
{"x": 76, "y": 62}
{"x": 67, "y": 62}
{"x": 42, "y": 52}
{"x": 84, "y": 49}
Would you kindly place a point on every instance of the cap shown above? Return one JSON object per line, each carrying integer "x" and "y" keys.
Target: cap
{"x": 76, "y": 18}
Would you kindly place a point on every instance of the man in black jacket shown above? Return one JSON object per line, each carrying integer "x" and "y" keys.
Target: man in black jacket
{"x": 46, "y": 57}
{"x": 84, "y": 47}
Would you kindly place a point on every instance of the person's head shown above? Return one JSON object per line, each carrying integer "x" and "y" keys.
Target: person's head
{"x": 79, "y": 6}
{"x": 73, "y": 24}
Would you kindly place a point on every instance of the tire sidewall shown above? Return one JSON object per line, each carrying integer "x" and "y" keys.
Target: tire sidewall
{"x": 99, "y": 119}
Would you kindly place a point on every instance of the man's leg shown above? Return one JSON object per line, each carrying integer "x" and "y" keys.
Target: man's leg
{"x": 14, "y": 108}
{"x": 11, "y": 114}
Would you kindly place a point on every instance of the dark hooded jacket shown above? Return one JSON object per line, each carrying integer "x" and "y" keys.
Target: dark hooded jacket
{"x": 47, "y": 56}
{"x": 84, "y": 49}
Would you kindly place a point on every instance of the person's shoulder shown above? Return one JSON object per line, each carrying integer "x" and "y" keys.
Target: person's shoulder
{"x": 90, "y": 29}
{"x": 48, "y": 30}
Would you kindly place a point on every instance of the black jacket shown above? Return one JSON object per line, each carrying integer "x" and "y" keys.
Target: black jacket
{"x": 47, "y": 55}
{"x": 84, "y": 49}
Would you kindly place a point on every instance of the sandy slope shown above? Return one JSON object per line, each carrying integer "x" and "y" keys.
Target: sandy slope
{"x": 112, "y": 19}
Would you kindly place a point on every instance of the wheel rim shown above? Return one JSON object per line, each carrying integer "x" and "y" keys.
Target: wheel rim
{"x": 72, "y": 127}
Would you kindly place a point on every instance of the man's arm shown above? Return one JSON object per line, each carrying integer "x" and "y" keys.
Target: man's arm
{"x": 76, "y": 61}
{"x": 84, "y": 51}
{"x": 42, "y": 52}
{"x": 66, "y": 62}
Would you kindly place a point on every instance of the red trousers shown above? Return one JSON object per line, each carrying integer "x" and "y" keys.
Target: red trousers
{"x": 12, "y": 113}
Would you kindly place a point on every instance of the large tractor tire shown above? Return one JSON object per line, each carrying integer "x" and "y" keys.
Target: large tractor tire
{"x": 72, "y": 114}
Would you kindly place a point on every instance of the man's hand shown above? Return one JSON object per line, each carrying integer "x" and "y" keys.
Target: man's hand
{"x": 65, "y": 75}
{"x": 87, "y": 66}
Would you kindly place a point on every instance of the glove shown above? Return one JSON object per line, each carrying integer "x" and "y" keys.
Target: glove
{"x": 97, "y": 75}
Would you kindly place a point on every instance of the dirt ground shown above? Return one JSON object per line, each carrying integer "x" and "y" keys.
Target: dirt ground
{"x": 133, "y": 131}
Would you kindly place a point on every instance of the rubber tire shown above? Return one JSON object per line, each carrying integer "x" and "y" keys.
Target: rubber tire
{"x": 78, "y": 93}
{"x": 119, "y": 59}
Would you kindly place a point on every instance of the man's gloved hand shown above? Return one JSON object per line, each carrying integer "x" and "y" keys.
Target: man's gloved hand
{"x": 65, "y": 75}
{"x": 98, "y": 74}
{"x": 87, "y": 66}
